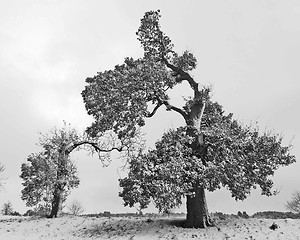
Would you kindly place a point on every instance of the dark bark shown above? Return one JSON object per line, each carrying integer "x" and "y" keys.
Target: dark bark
{"x": 56, "y": 203}
{"x": 197, "y": 211}
{"x": 64, "y": 152}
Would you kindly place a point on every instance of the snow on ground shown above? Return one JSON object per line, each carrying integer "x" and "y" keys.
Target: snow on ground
{"x": 83, "y": 227}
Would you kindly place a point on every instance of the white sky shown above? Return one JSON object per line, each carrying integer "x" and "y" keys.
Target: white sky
{"x": 248, "y": 50}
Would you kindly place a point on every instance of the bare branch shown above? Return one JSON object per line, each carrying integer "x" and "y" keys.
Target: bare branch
{"x": 1, "y": 178}
{"x": 95, "y": 146}
{"x": 294, "y": 203}
{"x": 75, "y": 208}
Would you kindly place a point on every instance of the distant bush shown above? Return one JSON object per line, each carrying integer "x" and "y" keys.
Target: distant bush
{"x": 40, "y": 210}
{"x": 75, "y": 208}
{"x": 109, "y": 214}
{"x": 106, "y": 214}
{"x": 29, "y": 213}
{"x": 7, "y": 208}
{"x": 15, "y": 213}
{"x": 242, "y": 215}
{"x": 223, "y": 216}
{"x": 219, "y": 215}
{"x": 276, "y": 215}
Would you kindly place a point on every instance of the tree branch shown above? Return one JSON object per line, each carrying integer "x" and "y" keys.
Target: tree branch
{"x": 169, "y": 107}
{"x": 183, "y": 75}
{"x": 94, "y": 145}
{"x": 176, "y": 109}
{"x": 159, "y": 104}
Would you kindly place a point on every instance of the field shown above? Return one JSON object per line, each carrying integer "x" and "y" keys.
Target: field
{"x": 87, "y": 227}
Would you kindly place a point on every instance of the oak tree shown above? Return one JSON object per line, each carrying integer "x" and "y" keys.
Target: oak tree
{"x": 50, "y": 174}
{"x": 234, "y": 156}
{"x": 121, "y": 99}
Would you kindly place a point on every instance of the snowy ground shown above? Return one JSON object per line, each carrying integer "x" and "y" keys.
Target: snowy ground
{"x": 80, "y": 227}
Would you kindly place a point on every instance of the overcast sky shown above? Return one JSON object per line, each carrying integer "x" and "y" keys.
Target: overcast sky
{"x": 249, "y": 51}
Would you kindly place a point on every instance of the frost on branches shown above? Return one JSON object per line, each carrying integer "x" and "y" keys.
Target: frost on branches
{"x": 50, "y": 175}
{"x": 236, "y": 157}
{"x": 211, "y": 149}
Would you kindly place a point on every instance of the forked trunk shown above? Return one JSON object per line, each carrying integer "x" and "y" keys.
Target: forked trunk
{"x": 197, "y": 211}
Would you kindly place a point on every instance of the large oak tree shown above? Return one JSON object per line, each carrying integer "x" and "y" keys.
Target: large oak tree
{"x": 211, "y": 149}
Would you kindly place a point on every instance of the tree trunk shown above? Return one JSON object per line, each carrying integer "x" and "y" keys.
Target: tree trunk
{"x": 197, "y": 211}
{"x": 60, "y": 185}
{"x": 56, "y": 203}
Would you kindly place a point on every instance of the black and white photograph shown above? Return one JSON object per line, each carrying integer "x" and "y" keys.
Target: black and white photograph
{"x": 153, "y": 119}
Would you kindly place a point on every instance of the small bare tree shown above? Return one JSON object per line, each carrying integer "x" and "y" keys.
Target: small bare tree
{"x": 7, "y": 208}
{"x": 75, "y": 208}
{"x": 294, "y": 204}
{"x": 1, "y": 177}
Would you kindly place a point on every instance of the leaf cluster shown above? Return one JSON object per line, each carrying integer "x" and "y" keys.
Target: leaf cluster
{"x": 238, "y": 157}
{"x": 50, "y": 169}
{"x": 40, "y": 176}
{"x": 117, "y": 99}
{"x": 58, "y": 140}
{"x": 155, "y": 43}
{"x": 157, "y": 174}
{"x": 120, "y": 99}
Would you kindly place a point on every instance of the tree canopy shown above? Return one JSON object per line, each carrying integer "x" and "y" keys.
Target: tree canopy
{"x": 211, "y": 150}
{"x": 50, "y": 174}
{"x": 46, "y": 171}
{"x": 121, "y": 99}
{"x": 237, "y": 157}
